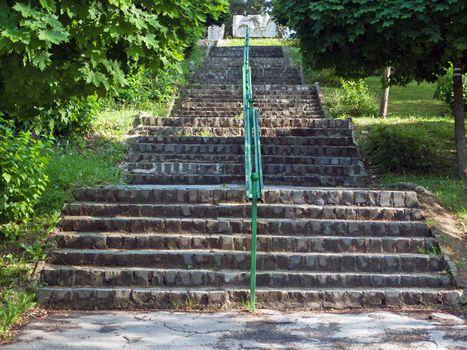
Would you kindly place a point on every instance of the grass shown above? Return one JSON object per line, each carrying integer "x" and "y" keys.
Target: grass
{"x": 451, "y": 191}
{"x": 413, "y": 107}
{"x": 411, "y": 100}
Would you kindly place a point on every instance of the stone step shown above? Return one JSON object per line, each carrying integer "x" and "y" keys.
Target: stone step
{"x": 223, "y": 98}
{"x": 231, "y": 225}
{"x": 284, "y": 116}
{"x": 322, "y": 126}
{"x": 266, "y": 79}
{"x": 225, "y": 61}
{"x": 221, "y": 210}
{"x": 235, "y": 131}
{"x": 196, "y": 105}
{"x": 220, "y": 194}
{"x": 237, "y": 122}
{"x": 258, "y": 71}
{"x": 239, "y": 168}
{"x": 236, "y": 64}
{"x": 216, "y": 79}
{"x": 296, "y": 244}
{"x": 222, "y": 298}
{"x": 327, "y": 150}
{"x": 235, "y": 140}
{"x": 258, "y": 74}
{"x": 237, "y": 157}
{"x": 315, "y": 148}
{"x": 255, "y": 52}
{"x": 203, "y": 111}
{"x": 90, "y": 276}
{"x": 268, "y": 91}
{"x": 224, "y": 179}
{"x": 221, "y": 259}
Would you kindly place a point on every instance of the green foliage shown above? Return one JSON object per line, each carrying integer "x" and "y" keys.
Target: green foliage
{"x": 452, "y": 192}
{"x": 400, "y": 150}
{"x": 52, "y": 52}
{"x": 444, "y": 90}
{"x": 352, "y": 100}
{"x": 70, "y": 118}
{"x": 12, "y": 306}
{"x": 87, "y": 164}
{"x": 147, "y": 87}
{"x": 359, "y": 37}
{"x": 23, "y": 162}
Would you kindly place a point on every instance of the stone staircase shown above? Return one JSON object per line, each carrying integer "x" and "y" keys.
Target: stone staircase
{"x": 178, "y": 236}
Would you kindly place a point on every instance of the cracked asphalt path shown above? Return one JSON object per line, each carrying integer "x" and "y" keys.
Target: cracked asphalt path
{"x": 380, "y": 330}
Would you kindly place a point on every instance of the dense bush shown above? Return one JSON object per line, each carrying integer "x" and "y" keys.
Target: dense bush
{"x": 145, "y": 86}
{"x": 444, "y": 88}
{"x": 73, "y": 117}
{"x": 399, "y": 150}
{"x": 23, "y": 162}
{"x": 353, "y": 99}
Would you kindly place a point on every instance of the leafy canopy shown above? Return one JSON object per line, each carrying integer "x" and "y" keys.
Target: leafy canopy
{"x": 357, "y": 37}
{"x": 54, "y": 50}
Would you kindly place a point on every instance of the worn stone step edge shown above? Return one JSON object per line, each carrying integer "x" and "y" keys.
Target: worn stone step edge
{"x": 286, "y": 211}
{"x": 242, "y": 225}
{"x": 220, "y": 179}
{"x": 272, "y": 243}
{"x": 312, "y": 196}
{"x": 146, "y": 157}
{"x": 82, "y": 276}
{"x": 202, "y": 298}
{"x": 217, "y": 259}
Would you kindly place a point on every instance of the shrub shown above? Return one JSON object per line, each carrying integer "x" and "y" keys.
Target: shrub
{"x": 144, "y": 86}
{"x": 353, "y": 99}
{"x": 399, "y": 150}
{"x": 72, "y": 118}
{"x": 444, "y": 88}
{"x": 12, "y": 306}
{"x": 23, "y": 162}
{"x": 325, "y": 77}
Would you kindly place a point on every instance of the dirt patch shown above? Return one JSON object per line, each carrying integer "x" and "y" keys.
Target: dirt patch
{"x": 450, "y": 235}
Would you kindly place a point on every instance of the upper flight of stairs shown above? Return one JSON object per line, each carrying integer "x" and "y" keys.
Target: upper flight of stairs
{"x": 179, "y": 234}
{"x": 299, "y": 146}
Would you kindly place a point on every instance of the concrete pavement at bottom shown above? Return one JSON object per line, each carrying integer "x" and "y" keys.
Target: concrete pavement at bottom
{"x": 266, "y": 329}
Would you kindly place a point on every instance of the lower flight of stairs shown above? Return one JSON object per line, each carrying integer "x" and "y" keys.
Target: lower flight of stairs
{"x": 169, "y": 247}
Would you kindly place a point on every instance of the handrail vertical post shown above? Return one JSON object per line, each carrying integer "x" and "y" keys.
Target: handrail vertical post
{"x": 254, "y": 216}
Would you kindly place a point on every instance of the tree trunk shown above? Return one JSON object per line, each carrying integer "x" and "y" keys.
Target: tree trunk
{"x": 459, "y": 117}
{"x": 383, "y": 106}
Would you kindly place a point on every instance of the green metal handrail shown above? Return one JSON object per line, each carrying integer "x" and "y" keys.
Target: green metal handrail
{"x": 253, "y": 166}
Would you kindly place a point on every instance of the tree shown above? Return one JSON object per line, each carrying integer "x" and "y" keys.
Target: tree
{"x": 54, "y": 51}
{"x": 418, "y": 39}
{"x": 383, "y": 106}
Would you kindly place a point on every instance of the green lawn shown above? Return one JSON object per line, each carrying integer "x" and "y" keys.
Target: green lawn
{"x": 411, "y": 100}
{"x": 413, "y": 107}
